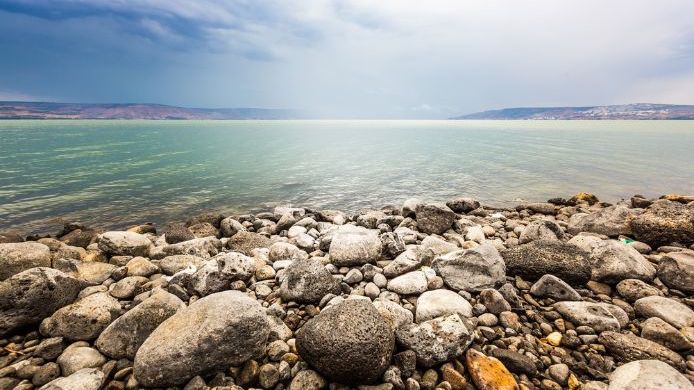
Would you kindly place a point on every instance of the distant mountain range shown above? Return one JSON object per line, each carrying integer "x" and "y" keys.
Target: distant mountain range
{"x": 46, "y": 110}
{"x": 626, "y": 111}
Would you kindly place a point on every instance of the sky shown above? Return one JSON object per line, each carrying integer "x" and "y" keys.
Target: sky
{"x": 349, "y": 58}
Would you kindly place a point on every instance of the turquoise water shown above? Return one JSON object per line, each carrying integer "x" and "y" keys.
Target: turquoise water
{"x": 117, "y": 173}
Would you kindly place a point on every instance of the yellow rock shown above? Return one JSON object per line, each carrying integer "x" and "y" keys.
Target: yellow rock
{"x": 585, "y": 197}
{"x": 453, "y": 377}
{"x": 554, "y": 338}
{"x": 489, "y": 373}
{"x": 678, "y": 198}
{"x": 573, "y": 382}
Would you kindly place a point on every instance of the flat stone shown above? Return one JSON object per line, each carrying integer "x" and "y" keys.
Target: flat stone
{"x": 589, "y": 314}
{"x": 553, "y": 287}
{"x": 611, "y": 221}
{"x": 648, "y": 375}
{"x": 352, "y": 245}
{"x": 414, "y": 282}
{"x": 442, "y": 302}
{"x": 613, "y": 261}
{"x": 628, "y": 347}
{"x": 488, "y": 373}
{"x": 537, "y": 258}
{"x": 634, "y": 289}
{"x": 21, "y": 256}
{"x": 75, "y": 358}
{"x": 307, "y": 281}
{"x": 673, "y": 312}
{"x": 655, "y": 329}
{"x": 472, "y": 270}
{"x": 124, "y": 243}
{"x": 84, "y": 379}
{"x": 676, "y": 270}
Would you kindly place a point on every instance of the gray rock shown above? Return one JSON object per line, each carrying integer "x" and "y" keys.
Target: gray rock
{"x": 392, "y": 245}
{"x": 349, "y": 342}
{"x": 555, "y": 288}
{"x": 30, "y": 296}
{"x": 589, "y": 314}
{"x": 20, "y": 256}
{"x": 676, "y": 270}
{"x": 201, "y": 247}
{"x": 537, "y": 258}
{"x": 219, "y": 330}
{"x": 124, "y": 243}
{"x": 673, "y": 312}
{"x": 627, "y": 347}
{"x": 405, "y": 262}
{"x": 285, "y": 251}
{"x": 648, "y": 375}
{"x": 139, "y": 266}
{"x": 493, "y": 301}
{"x": 634, "y": 289}
{"x": 84, "y": 379}
{"x": 611, "y": 221}
{"x": 84, "y": 319}
{"x": 77, "y": 357}
{"x": 411, "y": 283}
{"x": 307, "y": 281}
{"x": 439, "y": 303}
{"x": 409, "y": 207}
{"x": 432, "y": 246}
{"x": 541, "y": 230}
{"x": 435, "y": 341}
{"x": 541, "y": 208}
{"x": 246, "y": 242}
{"x": 92, "y": 272}
{"x": 122, "y": 338}
{"x": 229, "y": 226}
{"x": 472, "y": 269}
{"x": 655, "y": 329}
{"x": 172, "y": 264}
{"x": 663, "y": 223}
{"x": 307, "y": 380}
{"x": 352, "y": 245}
{"x": 128, "y": 287}
{"x": 219, "y": 272}
{"x": 434, "y": 218}
{"x": 463, "y": 205}
{"x": 613, "y": 261}
{"x": 559, "y": 372}
{"x": 394, "y": 314}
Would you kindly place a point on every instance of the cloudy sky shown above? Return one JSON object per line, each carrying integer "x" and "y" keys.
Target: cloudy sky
{"x": 349, "y": 58}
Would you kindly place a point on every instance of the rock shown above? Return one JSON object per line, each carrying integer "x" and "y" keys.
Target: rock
{"x": 172, "y": 264}
{"x": 84, "y": 319}
{"x": 489, "y": 373}
{"x": 396, "y": 315}
{"x": 676, "y": 270}
{"x": 555, "y": 288}
{"x": 613, "y": 261}
{"x": 178, "y": 233}
{"x": 222, "y": 329}
{"x": 414, "y": 282}
{"x": 541, "y": 230}
{"x": 463, "y": 205}
{"x": 405, "y": 262}
{"x": 245, "y": 242}
{"x": 438, "y": 303}
{"x": 628, "y": 347}
{"x": 229, "y": 226}
{"x": 648, "y": 375}
{"x": 432, "y": 247}
{"x": 139, "y": 266}
{"x": 589, "y": 314}
{"x": 200, "y": 247}
{"x": 655, "y": 329}
{"x": 307, "y": 380}
{"x": 84, "y": 379}
{"x": 471, "y": 269}
{"x": 664, "y": 222}
{"x": 475, "y": 233}
{"x": 493, "y": 301}
{"x": 435, "y": 341}
{"x": 307, "y": 281}
{"x": 122, "y": 338}
{"x": 392, "y": 245}
{"x": 586, "y": 197}
{"x": 673, "y": 312}
{"x": 127, "y": 288}
{"x": 218, "y": 273}
{"x": 30, "y": 296}
{"x": 348, "y": 342}
{"x": 119, "y": 243}
{"x": 634, "y": 289}
{"x": 611, "y": 221}
{"x": 92, "y": 272}
{"x": 285, "y": 251}
{"x": 537, "y": 258}
{"x": 352, "y": 245}
{"x": 76, "y": 357}
{"x": 559, "y": 372}
{"x": 434, "y": 218}
{"x": 514, "y": 361}
{"x": 203, "y": 229}
{"x": 20, "y": 256}
{"x": 409, "y": 207}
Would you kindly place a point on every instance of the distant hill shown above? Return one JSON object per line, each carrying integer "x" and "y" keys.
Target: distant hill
{"x": 46, "y": 110}
{"x": 626, "y": 111}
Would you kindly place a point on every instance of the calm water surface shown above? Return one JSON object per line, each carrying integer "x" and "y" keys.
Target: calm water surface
{"x": 116, "y": 173}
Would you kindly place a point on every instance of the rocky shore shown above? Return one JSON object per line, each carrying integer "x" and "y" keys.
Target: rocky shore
{"x": 572, "y": 293}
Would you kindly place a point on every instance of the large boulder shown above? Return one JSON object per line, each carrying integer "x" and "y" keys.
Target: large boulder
{"x": 19, "y": 256}
{"x": 648, "y": 375}
{"x": 352, "y": 245}
{"x": 676, "y": 270}
{"x": 30, "y": 296}
{"x": 435, "y": 341}
{"x": 611, "y": 221}
{"x": 663, "y": 223}
{"x": 126, "y": 334}
{"x": 473, "y": 269}
{"x": 219, "y": 330}
{"x": 675, "y": 313}
{"x": 442, "y": 302}
{"x": 84, "y": 319}
{"x": 307, "y": 281}
{"x": 613, "y": 261}
{"x": 124, "y": 243}
{"x": 434, "y": 218}
{"x": 537, "y": 258}
{"x": 349, "y": 342}
{"x": 627, "y": 347}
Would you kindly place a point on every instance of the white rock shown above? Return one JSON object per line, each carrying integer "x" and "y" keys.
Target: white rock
{"x": 439, "y": 303}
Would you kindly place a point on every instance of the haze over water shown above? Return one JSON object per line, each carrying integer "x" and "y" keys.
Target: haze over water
{"x": 118, "y": 173}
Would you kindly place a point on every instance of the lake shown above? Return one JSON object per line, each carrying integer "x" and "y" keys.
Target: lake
{"x": 118, "y": 173}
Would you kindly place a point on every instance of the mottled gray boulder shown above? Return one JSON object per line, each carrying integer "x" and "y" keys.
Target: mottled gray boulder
{"x": 493, "y": 301}
{"x": 472, "y": 269}
{"x": 648, "y": 375}
{"x": 172, "y": 264}
{"x": 434, "y": 218}
{"x": 442, "y": 302}
{"x": 307, "y": 281}
{"x": 537, "y": 258}
{"x": 217, "y": 331}
{"x": 217, "y": 273}
{"x": 230, "y": 226}
{"x": 541, "y": 230}
{"x": 353, "y": 245}
{"x": 409, "y": 207}
{"x": 405, "y": 262}
{"x": 655, "y": 329}
{"x": 124, "y": 243}
{"x": 463, "y": 205}
{"x": 76, "y": 357}
{"x": 84, "y": 319}
{"x": 92, "y": 272}
{"x": 610, "y": 221}
{"x": 394, "y": 314}
{"x": 126, "y": 334}
{"x": 613, "y": 261}
{"x": 349, "y": 342}
{"x": 202, "y": 247}
{"x": 433, "y": 246}
{"x": 19, "y": 256}
{"x": 245, "y": 242}
{"x": 663, "y": 223}
{"x": 627, "y": 347}
{"x": 589, "y": 314}
{"x": 84, "y": 379}
{"x": 555, "y": 288}
{"x": 675, "y": 313}
{"x": 435, "y": 341}
{"x": 676, "y": 270}
{"x": 411, "y": 283}
{"x": 128, "y": 287}
{"x": 634, "y": 289}
{"x": 30, "y": 296}
{"x": 285, "y": 251}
